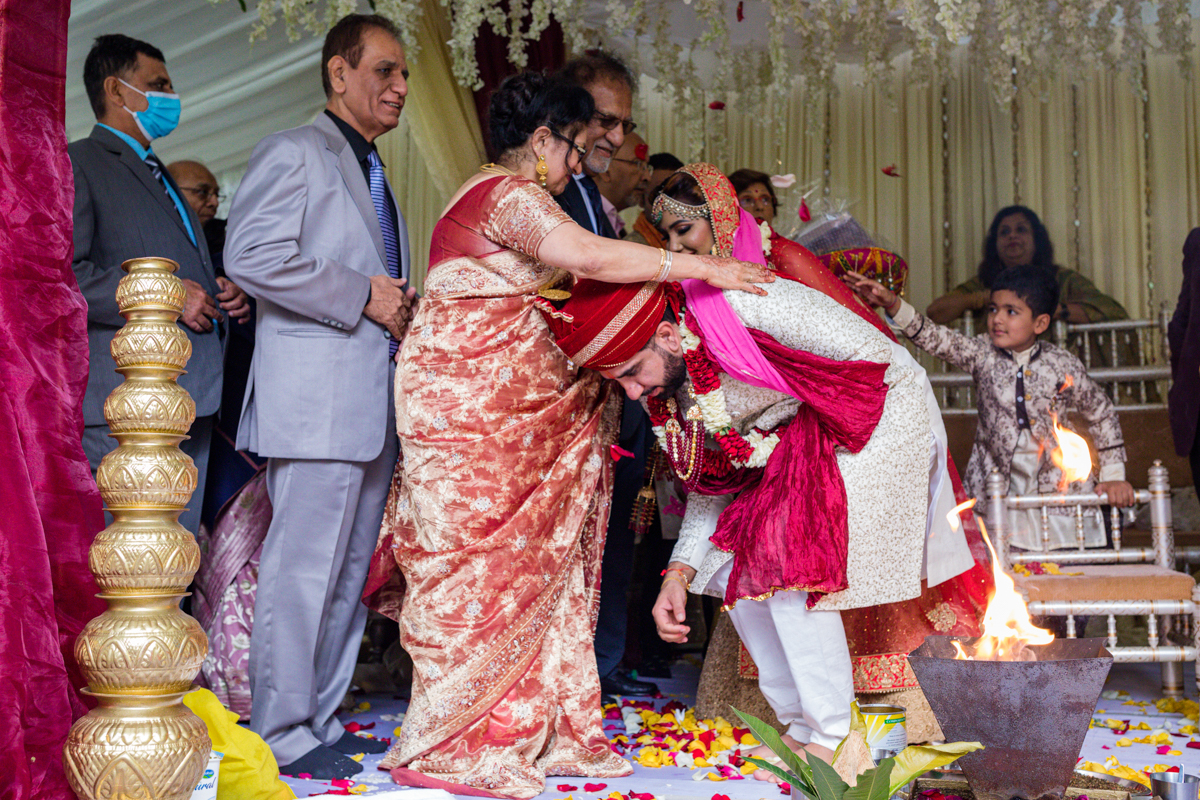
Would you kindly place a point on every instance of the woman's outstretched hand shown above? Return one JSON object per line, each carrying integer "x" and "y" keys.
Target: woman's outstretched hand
{"x": 729, "y": 273}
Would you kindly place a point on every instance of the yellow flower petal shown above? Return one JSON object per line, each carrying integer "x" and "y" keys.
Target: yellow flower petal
{"x": 358, "y": 757}
{"x": 1124, "y": 741}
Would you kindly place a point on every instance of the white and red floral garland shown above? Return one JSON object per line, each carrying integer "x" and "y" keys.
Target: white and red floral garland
{"x": 683, "y": 439}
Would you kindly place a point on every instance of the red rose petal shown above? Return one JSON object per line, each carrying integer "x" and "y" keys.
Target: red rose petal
{"x": 566, "y": 787}
{"x": 1193, "y": 745}
{"x": 352, "y": 727}
{"x": 720, "y": 797}
{"x": 595, "y": 787}
{"x": 716, "y": 105}
{"x": 1162, "y": 749}
{"x": 305, "y": 776}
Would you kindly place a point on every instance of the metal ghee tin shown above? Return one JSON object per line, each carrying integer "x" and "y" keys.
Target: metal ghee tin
{"x": 886, "y": 729}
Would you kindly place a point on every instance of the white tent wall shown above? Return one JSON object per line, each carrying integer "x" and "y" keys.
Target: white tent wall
{"x": 234, "y": 93}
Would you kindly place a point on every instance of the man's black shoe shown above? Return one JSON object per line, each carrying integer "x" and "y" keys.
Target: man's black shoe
{"x": 622, "y": 683}
{"x": 322, "y": 764}
{"x": 654, "y": 668}
{"x": 350, "y": 745}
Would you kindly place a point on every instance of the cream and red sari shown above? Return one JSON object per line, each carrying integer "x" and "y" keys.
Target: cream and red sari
{"x": 489, "y": 556}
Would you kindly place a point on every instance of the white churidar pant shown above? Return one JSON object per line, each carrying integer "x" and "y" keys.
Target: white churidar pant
{"x": 803, "y": 662}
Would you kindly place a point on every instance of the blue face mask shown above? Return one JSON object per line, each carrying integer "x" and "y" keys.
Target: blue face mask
{"x": 160, "y": 117}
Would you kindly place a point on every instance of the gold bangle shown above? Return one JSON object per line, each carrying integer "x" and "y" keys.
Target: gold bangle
{"x": 664, "y": 266}
{"x": 687, "y": 585}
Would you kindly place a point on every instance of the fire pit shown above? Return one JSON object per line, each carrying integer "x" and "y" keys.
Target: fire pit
{"x": 1030, "y": 714}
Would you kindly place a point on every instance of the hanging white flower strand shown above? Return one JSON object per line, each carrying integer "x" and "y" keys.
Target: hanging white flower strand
{"x": 798, "y": 45}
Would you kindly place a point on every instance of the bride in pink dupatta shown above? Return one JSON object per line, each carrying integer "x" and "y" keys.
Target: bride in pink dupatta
{"x": 490, "y": 551}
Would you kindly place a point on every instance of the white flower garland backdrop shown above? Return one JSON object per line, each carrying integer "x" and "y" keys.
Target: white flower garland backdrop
{"x": 1101, "y": 138}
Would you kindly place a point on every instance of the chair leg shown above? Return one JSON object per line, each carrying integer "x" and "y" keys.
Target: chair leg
{"x": 1172, "y": 678}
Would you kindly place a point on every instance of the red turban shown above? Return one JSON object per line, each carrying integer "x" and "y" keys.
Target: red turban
{"x": 603, "y": 325}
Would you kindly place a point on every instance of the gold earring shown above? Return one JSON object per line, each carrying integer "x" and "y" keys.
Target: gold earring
{"x": 542, "y": 170}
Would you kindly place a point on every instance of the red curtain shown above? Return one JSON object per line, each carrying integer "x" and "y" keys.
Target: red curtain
{"x": 491, "y": 52}
{"x": 49, "y": 506}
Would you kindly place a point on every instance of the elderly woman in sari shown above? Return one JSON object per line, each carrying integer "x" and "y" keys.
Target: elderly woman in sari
{"x": 490, "y": 551}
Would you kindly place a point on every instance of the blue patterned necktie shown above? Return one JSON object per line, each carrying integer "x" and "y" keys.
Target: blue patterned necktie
{"x": 593, "y": 193}
{"x": 391, "y": 243}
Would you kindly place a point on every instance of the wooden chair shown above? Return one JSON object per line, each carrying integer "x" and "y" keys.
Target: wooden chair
{"x": 1115, "y": 581}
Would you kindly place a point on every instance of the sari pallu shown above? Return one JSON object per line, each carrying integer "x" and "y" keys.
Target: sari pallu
{"x": 490, "y": 551}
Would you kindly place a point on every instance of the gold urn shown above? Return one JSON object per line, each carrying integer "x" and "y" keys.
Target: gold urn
{"x": 141, "y": 655}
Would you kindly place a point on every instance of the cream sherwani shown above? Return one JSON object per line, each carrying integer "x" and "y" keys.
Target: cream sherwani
{"x": 891, "y": 486}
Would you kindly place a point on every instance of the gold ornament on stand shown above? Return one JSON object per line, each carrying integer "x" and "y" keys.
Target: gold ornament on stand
{"x": 141, "y": 655}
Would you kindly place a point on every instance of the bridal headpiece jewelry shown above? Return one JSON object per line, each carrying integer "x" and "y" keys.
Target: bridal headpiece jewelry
{"x": 663, "y": 203}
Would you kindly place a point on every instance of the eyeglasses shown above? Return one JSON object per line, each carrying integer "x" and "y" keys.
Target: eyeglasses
{"x": 644, "y": 166}
{"x": 582, "y": 151}
{"x": 608, "y": 122}
{"x": 204, "y": 192}
{"x": 762, "y": 201}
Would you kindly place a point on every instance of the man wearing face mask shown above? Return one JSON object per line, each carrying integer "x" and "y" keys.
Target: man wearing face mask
{"x": 128, "y": 206}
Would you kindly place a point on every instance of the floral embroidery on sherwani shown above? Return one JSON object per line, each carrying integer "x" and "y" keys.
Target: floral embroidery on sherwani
{"x": 489, "y": 555}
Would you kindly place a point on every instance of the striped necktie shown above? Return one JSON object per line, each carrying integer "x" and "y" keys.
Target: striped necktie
{"x": 387, "y": 225}
{"x": 156, "y": 168}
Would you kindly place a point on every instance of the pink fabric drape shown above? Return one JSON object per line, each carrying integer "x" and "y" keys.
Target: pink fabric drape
{"x": 51, "y": 506}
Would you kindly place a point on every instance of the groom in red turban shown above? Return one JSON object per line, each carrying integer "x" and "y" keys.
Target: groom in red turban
{"x": 804, "y": 442}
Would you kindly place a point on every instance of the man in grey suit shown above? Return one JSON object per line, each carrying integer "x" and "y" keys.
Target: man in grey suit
{"x": 315, "y": 236}
{"x": 128, "y": 206}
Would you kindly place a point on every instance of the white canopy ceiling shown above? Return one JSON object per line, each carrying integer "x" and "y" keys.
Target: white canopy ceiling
{"x": 233, "y": 93}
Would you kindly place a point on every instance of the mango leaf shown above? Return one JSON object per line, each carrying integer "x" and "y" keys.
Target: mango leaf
{"x": 783, "y": 775}
{"x": 857, "y": 723}
{"x": 873, "y": 784}
{"x": 826, "y": 781}
{"x": 767, "y": 735}
{"x": 919, "y": 759}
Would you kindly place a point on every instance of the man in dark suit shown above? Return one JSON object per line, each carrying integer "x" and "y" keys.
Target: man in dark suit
{"x": 1184, "y": 335}
{"x": 128, "y": 206}
{"x": 611, "y": 85}
{"x": 228, "y": 468}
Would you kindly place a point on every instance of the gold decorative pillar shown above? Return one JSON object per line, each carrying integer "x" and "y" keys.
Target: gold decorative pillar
{"x": 142, "y": 654}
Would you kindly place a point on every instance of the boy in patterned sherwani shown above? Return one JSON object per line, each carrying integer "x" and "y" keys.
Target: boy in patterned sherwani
{"x": 1023, "y": 385}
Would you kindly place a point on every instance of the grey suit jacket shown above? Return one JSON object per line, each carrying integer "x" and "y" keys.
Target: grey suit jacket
{"x": 303, "y": 239}
{"x": 122, "y": 212}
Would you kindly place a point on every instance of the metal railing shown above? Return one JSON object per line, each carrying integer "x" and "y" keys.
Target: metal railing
{"x": 1138, "y": 384}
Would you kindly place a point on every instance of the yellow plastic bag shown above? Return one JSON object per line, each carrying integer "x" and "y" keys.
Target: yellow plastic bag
{"x": 248, "y": 770}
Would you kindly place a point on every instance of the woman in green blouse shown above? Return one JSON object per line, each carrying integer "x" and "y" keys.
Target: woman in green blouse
{"x": 1017, "y": 237}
